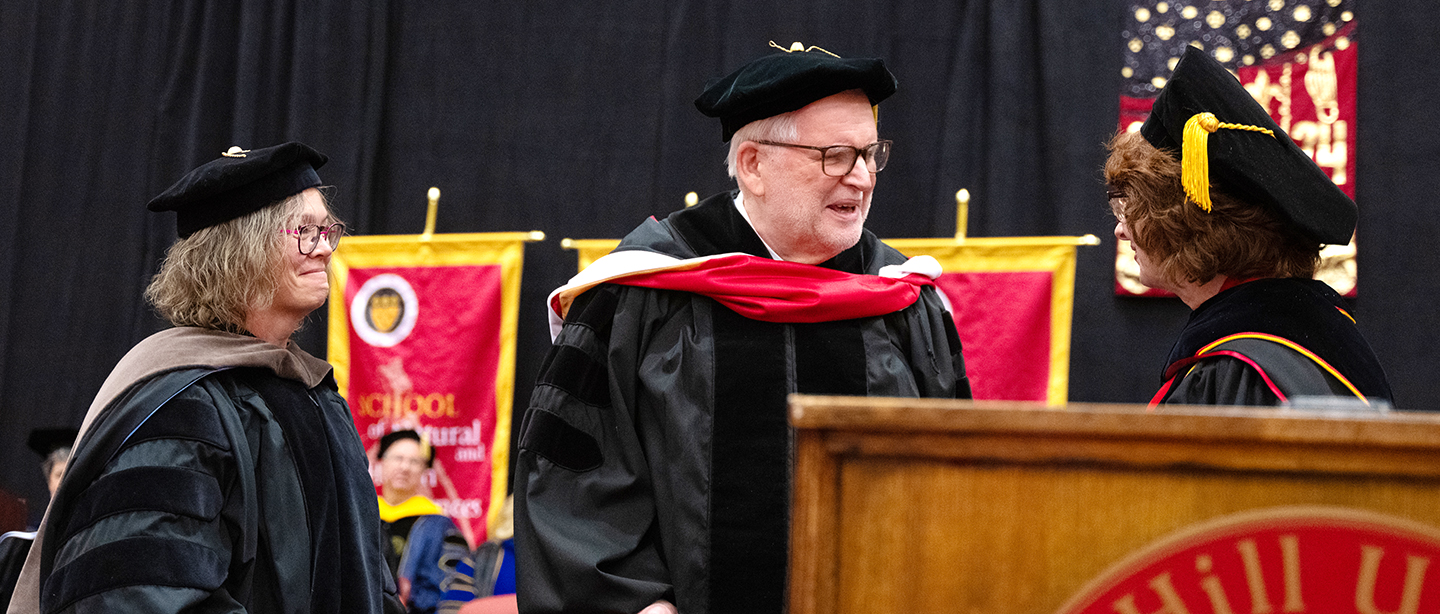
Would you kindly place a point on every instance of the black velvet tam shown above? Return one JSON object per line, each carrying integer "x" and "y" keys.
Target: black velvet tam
{"x": 784, "y": 82}
{"x": 238, "y": 182}
{"x": 45, "y": 441}
{"x": 1250, "y": 166}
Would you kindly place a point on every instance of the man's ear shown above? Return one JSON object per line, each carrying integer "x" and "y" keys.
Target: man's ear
{"x": 747, "y": 168}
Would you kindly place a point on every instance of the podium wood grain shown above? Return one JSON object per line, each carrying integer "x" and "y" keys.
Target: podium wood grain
{"x": 905, "y": 505}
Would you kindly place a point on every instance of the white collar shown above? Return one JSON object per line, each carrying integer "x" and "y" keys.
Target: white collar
{"x": 740, "y": 206}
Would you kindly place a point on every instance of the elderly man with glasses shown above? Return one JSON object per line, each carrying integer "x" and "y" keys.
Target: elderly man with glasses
{"x": 654, "y": 460}
{"x": 218, "y": 469}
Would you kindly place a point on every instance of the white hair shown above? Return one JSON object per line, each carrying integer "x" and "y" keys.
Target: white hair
{"x": 58, "y": 456}
{"x": 781, "y": 128}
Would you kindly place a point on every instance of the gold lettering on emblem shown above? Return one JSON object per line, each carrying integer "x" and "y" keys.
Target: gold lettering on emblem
{"x": 1250, "y": 556}
{"x": 1290, "y": 553}
{"x": 1370, "y": 568}
{"x": 1255, "y": 580}
{"x": 1211, "y": 585}
{"x": 1169, "y": 599}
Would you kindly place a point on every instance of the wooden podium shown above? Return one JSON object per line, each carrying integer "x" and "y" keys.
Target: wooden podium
{"x": 904, "y": 505}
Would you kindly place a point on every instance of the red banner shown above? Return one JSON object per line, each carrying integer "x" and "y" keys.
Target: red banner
{"x": 422, "y": 337}
{"x": 1012, "y": 299}
{"x": 1003, "y": 318}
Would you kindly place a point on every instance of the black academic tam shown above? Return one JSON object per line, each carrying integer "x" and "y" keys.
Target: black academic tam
{"x": 238, "y": 182}
{"x": 1267, "y": 170}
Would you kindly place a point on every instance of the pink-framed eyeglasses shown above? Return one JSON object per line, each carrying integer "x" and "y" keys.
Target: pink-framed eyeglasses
{"x": 307, "y": 236}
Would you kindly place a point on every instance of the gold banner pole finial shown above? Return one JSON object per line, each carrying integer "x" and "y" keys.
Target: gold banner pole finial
{"x": 962, "y": 213}
{"x": 691, "y": 199}
{"x": 434, "y": 196}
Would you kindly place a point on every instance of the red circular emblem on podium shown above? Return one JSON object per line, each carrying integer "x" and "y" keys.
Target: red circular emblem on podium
{"x": 1276, "y": 561}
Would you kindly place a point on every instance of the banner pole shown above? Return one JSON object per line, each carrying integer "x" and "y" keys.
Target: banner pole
{"x": 962, "y": 213}
{"x": 434, "y": 196}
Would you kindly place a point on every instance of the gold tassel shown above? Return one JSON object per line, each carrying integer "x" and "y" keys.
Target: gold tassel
{"x": 1195, "y": 155}
{"x": 1195, "y": 158}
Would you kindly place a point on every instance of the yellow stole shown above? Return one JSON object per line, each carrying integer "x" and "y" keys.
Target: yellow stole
{"x": 414, "y": 506}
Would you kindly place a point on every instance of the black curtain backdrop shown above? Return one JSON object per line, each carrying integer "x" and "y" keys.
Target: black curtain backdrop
{"x": 575, "y": 118}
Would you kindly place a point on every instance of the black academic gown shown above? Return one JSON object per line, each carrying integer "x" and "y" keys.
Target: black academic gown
{"x": 217, "y": 488}
{"x": 655, "y": 457}
{"x": 14, "y": 546}
{"x": 1271, "y": 321}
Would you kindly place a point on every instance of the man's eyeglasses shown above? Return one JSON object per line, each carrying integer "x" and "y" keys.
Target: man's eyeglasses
{"x": 308, "y": 236}
{"x": 839, "y": 160}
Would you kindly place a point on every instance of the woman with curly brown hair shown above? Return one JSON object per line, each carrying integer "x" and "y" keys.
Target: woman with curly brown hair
{"x": 1225, "y": 211}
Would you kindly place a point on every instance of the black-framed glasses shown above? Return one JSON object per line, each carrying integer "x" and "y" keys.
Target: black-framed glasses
{"x": 839, "y": 160}
{"x": 307, "y": 237}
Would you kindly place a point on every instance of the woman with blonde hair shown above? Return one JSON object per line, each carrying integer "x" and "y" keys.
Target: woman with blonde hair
{"x": 219, "y": 458}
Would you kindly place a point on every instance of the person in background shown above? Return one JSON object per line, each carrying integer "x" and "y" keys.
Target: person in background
{"x": 424, "y": 543}
{"x": 487, "y": 573}
{"x": 218, "y": 454}
{"x": 654, "y": 461}
{"x": 53, "y": 445}
{"x": 14, "y": 546}
{"x": 1224, "y": 210}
